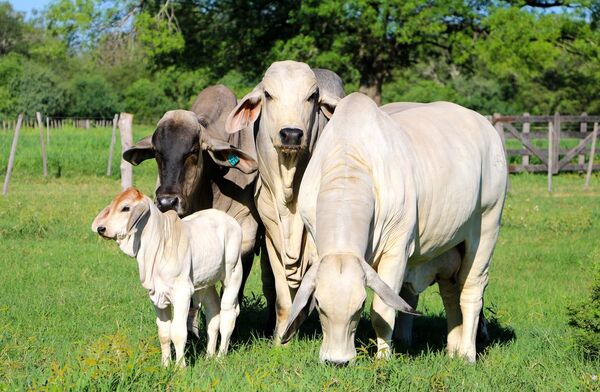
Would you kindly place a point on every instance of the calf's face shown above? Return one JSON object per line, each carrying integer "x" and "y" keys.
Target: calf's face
{"x": 178, "y": 145}
{"x": 287, "y": 101}
{"x": 117, "y": 219}
{"x": 337, "y": 287}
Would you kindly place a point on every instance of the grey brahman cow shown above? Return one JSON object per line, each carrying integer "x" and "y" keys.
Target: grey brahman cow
{"x": 179, "y": 259}
{"x": 415, "y": 195}
{"x": 287, "y": 112}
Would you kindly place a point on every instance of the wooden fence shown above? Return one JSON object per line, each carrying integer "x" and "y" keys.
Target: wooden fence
{"x": 539, "y": 140}
{"x": 58, "y": 123}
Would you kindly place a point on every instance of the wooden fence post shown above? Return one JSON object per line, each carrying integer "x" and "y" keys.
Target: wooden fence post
{"x": 38, "y": 115}
{"x": 582, "y": 129}
{"x": 526, "y": 129}
{"x": 125, "y": 124}
{"x": 47, "y": 130}
{"x": 11, "y": 157}
{"x": 556, "y": 142}
{"x": 113, "y": 140}
{"x": 550, "y": 154}
{"x": 592, "y": 154}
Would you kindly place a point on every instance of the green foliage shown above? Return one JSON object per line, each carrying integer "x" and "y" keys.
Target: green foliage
{"x": 92, "y": 96}
{"x": 585, "y": 318}
{"x": 11, "y": 29}
{"x": 493, "y": 56}
{"x": 147, "y": 100}
{"x": 158, "y": 37}
{"x": 38, "y": 88}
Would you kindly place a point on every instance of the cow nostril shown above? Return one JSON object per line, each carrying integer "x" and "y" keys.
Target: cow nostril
{"x": 101, "y": 229}
{"x": 166, "y": 203}
{"x": 291, "y": 136}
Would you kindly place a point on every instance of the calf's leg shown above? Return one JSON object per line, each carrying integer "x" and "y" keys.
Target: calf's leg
{"x": 181, "y": 305}
{"x": 230, "y": 307}
{"x": 212, "y": 308}
{"x": 163, "y": 322}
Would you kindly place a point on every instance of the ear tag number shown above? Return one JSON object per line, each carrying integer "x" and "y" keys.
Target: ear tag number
{"x": 233, "y": 159}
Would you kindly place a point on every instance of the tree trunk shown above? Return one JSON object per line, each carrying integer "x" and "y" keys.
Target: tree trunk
{"x": 371, "y": 86}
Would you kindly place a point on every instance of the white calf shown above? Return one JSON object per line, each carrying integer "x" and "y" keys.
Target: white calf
{"x": 179, "y": 259}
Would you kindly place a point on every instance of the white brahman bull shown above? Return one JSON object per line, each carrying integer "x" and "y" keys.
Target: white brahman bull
{"x": 415, "y": 195}
{"x": 179, "y": 259}
{"x": 287, "y": 110}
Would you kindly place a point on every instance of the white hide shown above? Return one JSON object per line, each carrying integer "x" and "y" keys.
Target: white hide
{"x": 404, "y": 191}
{"x": 288, "y": 96}
{"x": 178, "y": 259}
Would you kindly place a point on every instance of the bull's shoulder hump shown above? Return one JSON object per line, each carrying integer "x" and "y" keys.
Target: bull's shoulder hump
{"x": 213, "y": 101}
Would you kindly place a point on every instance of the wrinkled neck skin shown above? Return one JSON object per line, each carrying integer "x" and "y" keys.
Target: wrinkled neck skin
{"x": 144, "y": 242}
{"x": 290, "y": 167}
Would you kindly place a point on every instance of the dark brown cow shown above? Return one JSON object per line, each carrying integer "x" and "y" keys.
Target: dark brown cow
{"x": 201, "y": 166}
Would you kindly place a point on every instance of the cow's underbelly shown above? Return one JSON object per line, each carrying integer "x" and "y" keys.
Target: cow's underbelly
{"x": 443, "y": 267}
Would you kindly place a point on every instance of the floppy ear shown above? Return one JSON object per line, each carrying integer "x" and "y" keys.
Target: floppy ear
{"x": 299, "y": 312}
{"x": 140, "y": 151}
{"x": 384, "y": 291}
{"x": 328, "y": 103}
{"x": 246, "y": 111}
{"x": 137, "y": 212}
{"x": 227, "y": 155}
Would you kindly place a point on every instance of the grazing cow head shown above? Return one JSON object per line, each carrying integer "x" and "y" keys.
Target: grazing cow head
{"x": 288, "y": 101}
{"x": 182, "y": 147}
{"x": 118, "y": 219}
{"x": 336, "y": 286}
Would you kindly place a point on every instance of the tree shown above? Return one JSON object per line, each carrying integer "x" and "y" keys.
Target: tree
{"x": 90, "y": 95}
{"x": 376, "y": 36}
{"x": 11, "y": 29}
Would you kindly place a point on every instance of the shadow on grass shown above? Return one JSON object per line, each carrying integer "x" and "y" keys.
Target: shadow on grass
{"x": 429, "y": 332}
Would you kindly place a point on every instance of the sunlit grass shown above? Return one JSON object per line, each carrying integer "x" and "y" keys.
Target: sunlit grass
{"x": 73, "y": 314}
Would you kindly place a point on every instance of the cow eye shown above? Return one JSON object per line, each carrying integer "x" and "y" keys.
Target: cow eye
{"x": 267, "y": 95}
{"x": 313, "y": 96}
{"x": 125, "y": 209}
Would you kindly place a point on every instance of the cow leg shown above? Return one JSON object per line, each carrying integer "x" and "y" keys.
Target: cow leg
{"x": 404, "y": 322}
{"x": 212, "y": 309}
{"x": 192, "y": 319}
{"x": 283, "y": 302}
{"x": 230, "y": 308}
{"x": 473, "y": 278}
{"x": 181, "y": 300}
{"x": 483, "y": 335}
{"x": 163, "y": 322}
{"x": 247, "y": 260}
{"x": 268, "y": 287}
{"x": 391, "y": 271}
{"x": 450, "y": 293}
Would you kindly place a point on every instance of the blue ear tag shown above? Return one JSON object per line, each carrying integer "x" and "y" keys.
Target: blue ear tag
{"x": 233, "y": 159}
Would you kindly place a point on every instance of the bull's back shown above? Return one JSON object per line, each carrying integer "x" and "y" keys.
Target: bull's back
{"x": 459, "y": 171}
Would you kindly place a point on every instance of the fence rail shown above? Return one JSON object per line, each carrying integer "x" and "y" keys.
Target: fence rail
{"x": 58, "y": 123}
{"x": 540, "y": 140}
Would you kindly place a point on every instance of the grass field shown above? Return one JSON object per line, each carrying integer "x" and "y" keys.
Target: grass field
{"x": 73, "y": 314}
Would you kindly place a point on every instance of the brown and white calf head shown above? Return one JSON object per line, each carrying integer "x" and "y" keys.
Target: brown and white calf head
{"x": 182, "y": 147}
{"x": 118, "y": 220}
{"x": 287, "y": 101}
{"x": 336, "y": 286}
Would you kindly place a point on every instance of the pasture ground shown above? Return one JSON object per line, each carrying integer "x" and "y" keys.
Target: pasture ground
{"x": 73, "y": 314}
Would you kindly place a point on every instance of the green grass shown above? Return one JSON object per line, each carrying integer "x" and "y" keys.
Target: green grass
{"x": 73, "y": 314}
